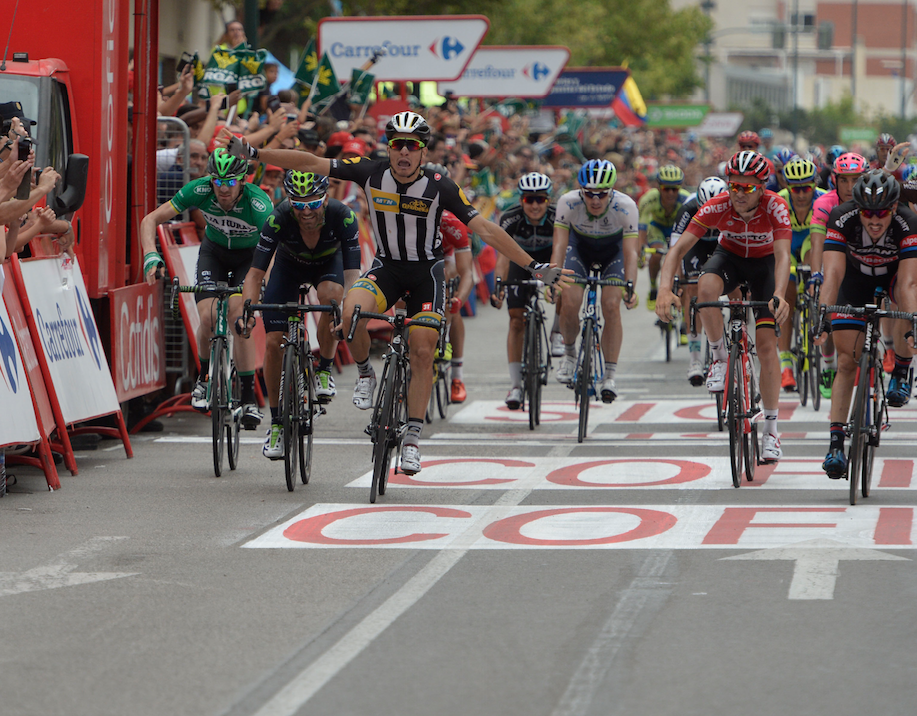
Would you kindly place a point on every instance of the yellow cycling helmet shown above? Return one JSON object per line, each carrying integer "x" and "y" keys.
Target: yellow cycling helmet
{"x": 799, "y": 171}
{"x": 670, "y": 175}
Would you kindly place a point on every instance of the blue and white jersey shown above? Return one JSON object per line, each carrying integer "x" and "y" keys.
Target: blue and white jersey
{"x": 619, "y": 221}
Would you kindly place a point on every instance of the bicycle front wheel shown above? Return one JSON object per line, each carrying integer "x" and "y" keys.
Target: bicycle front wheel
{"x": 749, "y": 426}
{"x": 218, "y": 401}
{"x": 307, "y": 421}
{"x": 290, "y": 403}
{"x": 734, "y": 419}
{"x": 814, "y": 372}
{"x": 585, "y": 377}
{"x": 532, "y": 370}
{"x": 874, "y": 414}
{"x": 384, "y": 428}
{"x": 859, "y": 427}
{"x": 234, "y": 418}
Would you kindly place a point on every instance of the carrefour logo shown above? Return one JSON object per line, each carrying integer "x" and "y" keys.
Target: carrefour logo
{"x": 87, "y": 323}
{"x": 537, "y": 71}
{"x": 9, "y": 366}
{"x": 446, "y": 47}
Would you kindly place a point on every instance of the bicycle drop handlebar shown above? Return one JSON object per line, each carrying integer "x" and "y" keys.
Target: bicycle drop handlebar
{"x": 220, "y": 289}
{"x": 732, "y": 306}
{"x": 871, "y": 311}
{"x": 359, "y": 314}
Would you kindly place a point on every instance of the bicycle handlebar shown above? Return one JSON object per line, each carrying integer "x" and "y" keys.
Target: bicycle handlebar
{"x": 695, "y": 305}
{"x": 221, "y": 289}
{"x": 424, "y": 321}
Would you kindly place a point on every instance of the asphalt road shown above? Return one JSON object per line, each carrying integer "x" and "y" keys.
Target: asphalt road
{"x": 519, "y": 573}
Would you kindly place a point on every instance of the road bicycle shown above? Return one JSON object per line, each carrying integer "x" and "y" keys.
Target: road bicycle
{"x": 224, "y": 388}
{"x": 807, "y": 355}
{"x": 536, "y": 354}
{"x": 441, "y": 395}
{"x": 590, "y": 364}
{"x": 741, "y": 399}
{"x": 869, "y": 414}
{"x": 670, "y": 332}
{"x": 390, "y": 411}
{"x": 297, "y": 402}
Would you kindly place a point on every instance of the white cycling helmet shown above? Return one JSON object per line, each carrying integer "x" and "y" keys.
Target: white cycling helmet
{"x": 535, "y": 182}
{"x": 408, "y": 123}
{"x": 709, "y": 188}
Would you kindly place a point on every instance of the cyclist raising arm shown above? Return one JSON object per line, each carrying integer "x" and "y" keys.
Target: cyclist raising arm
{"x": 596, "y": 225}
{"x": 312, "y": 239}
{"x": 871, "y": 243}
{"x": 234, "y": 211}
{"x": 754, "y": 246}
{"x": 406, "y": 204}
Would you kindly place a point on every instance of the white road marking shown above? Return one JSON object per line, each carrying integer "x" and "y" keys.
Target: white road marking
{"x": 291, "y": 698}
{"x": 816, "y": 564}
{"x": 59, "y": 573}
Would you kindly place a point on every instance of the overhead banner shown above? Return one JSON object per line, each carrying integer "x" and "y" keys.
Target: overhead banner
{"x": 511, "y": 71}
{"x": 675, "y": 115}
{"x": 409, "y": 48}
{"x": 17, "y": 417}
{"x": 69, "y": 339}
{"x": 586, "y": 87}
{"x": 720, "y": 124}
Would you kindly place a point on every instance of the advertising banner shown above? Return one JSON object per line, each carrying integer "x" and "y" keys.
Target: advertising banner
{"x": 586, "y": 87}
{"x": 17, "y": 418}
{"x": 410, "y": 47}
{"x": 69, "y": 339}
{"x": 524, "y": 71}
{"x": 675, "y": 115}
{"x": 138, "y": 363}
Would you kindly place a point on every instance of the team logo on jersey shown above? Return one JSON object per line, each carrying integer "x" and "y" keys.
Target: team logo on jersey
{"x": 272, "y": 222}
{"x": 258, "y": 204}
{"x": 426, "y": 307}
{"x": 415, "y": 205}
{"x": 366, "y": 285}
{"x": 352, "y": 160}
{"x": 350, "y": 219}
{"x": 202, "y": 189}
{"x": 384, "y": 201}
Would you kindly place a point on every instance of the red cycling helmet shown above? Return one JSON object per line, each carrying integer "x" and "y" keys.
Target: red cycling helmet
{"x": 749, "y": 137}
{"x": 850, "y": 163}
{"x": 748, "y": 164}
{"x": 885, "y": 140}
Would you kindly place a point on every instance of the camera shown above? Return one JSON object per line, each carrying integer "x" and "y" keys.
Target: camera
{"x": 291, "y": 118}
{"x": 186, "y": 59}
{"x": 25, "y": 146}
{"x": 273, "y": 103}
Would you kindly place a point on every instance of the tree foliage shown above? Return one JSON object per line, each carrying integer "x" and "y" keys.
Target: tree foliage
{"x": 656, "y": 42}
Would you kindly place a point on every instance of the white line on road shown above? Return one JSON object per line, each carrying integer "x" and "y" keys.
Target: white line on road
{"x": 309, "y": 681}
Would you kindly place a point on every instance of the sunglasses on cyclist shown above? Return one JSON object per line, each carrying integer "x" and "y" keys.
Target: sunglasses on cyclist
{"x": 738, "y": 188}
{"x": 225, "y": 182}
{"x": 313, "y": 205}
{"x": 412, "y": 145}
{"x": 669, "y": 188}
{"x": 530, "y": 199}
{"x": 749, "y": 147}
{"x": 802, "y": 189}
{"x": 594, "y": 194}
{"x": 875, "y": 214}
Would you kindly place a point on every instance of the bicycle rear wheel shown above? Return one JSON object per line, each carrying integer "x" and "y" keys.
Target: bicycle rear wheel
{"x": 859, "y": 427}
{"x": 307, "y": 420}
{"x": 444, "y": 389}
{"x": 585, "y": 378}
{"x": 218, "y": 400}
{"x": 384, "y": 429}
{"x": 734, "y": 420}
{"x": 290, "y": 403}
{"x": 234, "y": 418}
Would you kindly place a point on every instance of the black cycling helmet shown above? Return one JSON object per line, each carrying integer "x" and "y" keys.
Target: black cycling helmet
{"x": 223, "y": 165}
{"x": 303, "y": 184}
{"x": 408, "y": 123}
{"x": 876, "y": 190}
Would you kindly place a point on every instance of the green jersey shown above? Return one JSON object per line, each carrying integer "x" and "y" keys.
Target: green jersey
{"x": 238, "y": 228}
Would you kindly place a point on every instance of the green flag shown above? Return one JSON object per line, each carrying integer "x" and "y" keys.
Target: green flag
{"x": 326, "y": 83}
{"x": 361, "y": 84}
{"x": 222, "y": 69}
{"x": 307, "y": 66}
{"x": 251, "y": 71}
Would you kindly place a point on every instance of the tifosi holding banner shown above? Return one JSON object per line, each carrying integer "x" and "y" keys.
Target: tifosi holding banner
{"x": 412, "y": 47}
{"x": 512, "y": 71}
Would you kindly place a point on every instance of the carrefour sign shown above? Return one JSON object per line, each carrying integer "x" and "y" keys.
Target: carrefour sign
{"x": 511, "y": 71}
{"x": 409, "y": 48}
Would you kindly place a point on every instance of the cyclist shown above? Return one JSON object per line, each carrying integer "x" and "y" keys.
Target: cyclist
{"x": 312, "y": 239}
{"x": 458, "y": 262}
{"x": 234, "y": 211}
{"x": 848, "y": 167}
{"x": 782, "y": 157}
{"x": 596, "y": 224}
{"x": 884, "y": 144}
{"x": 531, "y": 224}
{"x": 407, "y": 203}
{"x": 826, "y": 173}
{"x": 800, "y": 176}
{"x": 754, "y": 246}
{"x": 693, "y": 263}
{"x": 871, "y": 243}
{"x": 748, "y": 140}
{"x": 658, "y": 209}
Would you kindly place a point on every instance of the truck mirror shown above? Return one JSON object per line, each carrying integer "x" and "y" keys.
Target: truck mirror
{"x": 73, "y": 188}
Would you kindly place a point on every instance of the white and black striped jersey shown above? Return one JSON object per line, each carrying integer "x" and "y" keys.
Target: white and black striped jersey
{"x": 405, "y": 216}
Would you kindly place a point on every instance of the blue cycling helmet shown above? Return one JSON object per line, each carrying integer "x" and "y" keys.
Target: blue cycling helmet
{"x": 908, "y": 172}
{"x": 833, "y": 153}
{"x": 784, "y": 155}
{"x": 597, "y": 174}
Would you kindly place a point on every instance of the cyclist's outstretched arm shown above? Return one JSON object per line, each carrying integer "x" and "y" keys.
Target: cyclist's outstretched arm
{"x": 465, "y": 267}
{"x": 286, "y": 158}
{"x": 493, "y": 235}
